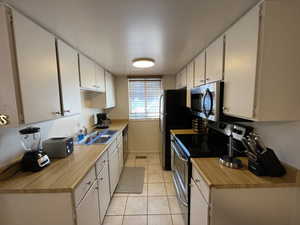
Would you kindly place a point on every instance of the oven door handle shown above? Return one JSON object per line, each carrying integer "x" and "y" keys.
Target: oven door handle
{"x": 177, "y": 153}
{"x": 178, "y": 192}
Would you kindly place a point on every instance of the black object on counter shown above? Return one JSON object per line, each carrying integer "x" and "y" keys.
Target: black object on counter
{"x": 266, "y": 164}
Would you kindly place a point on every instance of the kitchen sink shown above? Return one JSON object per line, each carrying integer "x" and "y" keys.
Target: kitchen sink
{"x": 98, "y": 137}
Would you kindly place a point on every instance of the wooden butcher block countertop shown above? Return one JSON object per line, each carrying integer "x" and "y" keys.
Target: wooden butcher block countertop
{"x": 218, "y": 176}
{"x": 62, "y": 175}
{"x": 183, "y": 131}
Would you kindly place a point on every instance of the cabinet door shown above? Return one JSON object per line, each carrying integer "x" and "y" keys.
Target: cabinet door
{"x": 87, "y": 73}
{"x": 69, "y": 79}
{"x": 183, "y": 77}
{"x": 240, "y": 65}
{"x": 199, "y": 211}
{"x": 214, "y": 60}
{"x": 88, "y": 209}
{"x": 121, "y": 160}
{"x": 110, "y": 90}
{"x": 178, "y": 80}
{"x": 104, "y": 193}
{"x": 38, "y": 76}
{"x": 113, "y": 171}
{"x": 199, "y": 76}
{"x": 189, "y": 83}
{"x": 99, "y": 78}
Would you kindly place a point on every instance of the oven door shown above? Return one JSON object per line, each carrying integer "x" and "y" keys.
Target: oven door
{"x": 180, "y": 164}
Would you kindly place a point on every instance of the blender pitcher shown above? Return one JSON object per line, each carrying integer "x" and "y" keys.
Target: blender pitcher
{"x": 34, "y": 158}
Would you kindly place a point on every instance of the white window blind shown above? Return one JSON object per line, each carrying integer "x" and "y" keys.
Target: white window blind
{"x": 144, "y": 96}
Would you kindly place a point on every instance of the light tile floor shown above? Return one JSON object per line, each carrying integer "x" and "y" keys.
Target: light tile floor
{"x": 157, "y": 205}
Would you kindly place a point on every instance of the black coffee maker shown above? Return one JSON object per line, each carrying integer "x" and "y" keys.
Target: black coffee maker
{"x": 34, "y": 158}
{"x": 101, "y": 121}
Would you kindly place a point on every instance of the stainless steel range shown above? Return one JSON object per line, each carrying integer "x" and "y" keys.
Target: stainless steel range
{"x": 186, "y": 146}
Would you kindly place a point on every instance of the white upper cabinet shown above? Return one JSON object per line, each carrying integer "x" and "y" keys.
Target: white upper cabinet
{"x": 199, "y": 76}
{"x": 69, "y": 79}
{"x": 87, "y": 73}
{"x": 181, "y": 78}
{"x": 261, "y": 81}
{"x": 92, "y": 76}
{"x": 240, "y": 65}
{"x": 99, "y": 78}
{"x": 37, "y": 67}
{"x": 214, "y": 60}
{"x": 189, "y": 83}
{"x": 110, "y": 90}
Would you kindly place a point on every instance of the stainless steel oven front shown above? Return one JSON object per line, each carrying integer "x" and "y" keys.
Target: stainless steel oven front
{"x": 180, "y": 172}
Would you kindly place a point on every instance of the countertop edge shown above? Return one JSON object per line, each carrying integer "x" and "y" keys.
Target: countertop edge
{"x": 228, "y": 186}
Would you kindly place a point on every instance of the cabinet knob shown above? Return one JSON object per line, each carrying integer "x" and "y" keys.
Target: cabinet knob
{"x": 225, "y": 108}
{"x": 89, "y": 183}
{"x": 197, "y": 180}
{"x": 56, "y": 113}
{"x": 67, "y": 111}
{"x": 101, "y": 178}
{"x": 207, "y": 79}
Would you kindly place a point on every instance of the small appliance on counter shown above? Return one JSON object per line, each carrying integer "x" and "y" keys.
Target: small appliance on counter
{"x": 262, "y": 161}
{"x": 58, "y": 147}
{"x": 34, "y": 158}
{"x": 101, "y": 121}
{"x": 236, "y": 133}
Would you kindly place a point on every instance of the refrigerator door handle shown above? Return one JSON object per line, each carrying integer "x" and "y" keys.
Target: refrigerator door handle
{"x": 160, "y": 111}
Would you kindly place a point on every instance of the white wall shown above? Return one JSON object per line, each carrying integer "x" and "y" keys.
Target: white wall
{"x": 10, "y": 145}
{"x": 144, "y": 135}
{"x": 283, "y": 138}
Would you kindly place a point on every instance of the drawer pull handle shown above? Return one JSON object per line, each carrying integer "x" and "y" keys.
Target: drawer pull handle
{"x": 89, "y": 183}
{"x": 101, "y": 178}
{"x": 197, "y": 181}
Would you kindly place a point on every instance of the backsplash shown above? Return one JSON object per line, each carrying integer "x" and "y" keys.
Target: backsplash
{"x": 10, "y": 145}
{"x": 283, "y": 138}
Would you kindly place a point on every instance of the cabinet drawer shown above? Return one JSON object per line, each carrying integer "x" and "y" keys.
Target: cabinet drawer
{"x": 101, "y": 162}
{"x": 204, "y": 188}
{"x": 84, "y": 186}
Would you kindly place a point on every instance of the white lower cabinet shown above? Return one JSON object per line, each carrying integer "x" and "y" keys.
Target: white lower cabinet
{"x": 114, "y": 171}
{"x": 221, "y": 205}
{"x": 88, "y": 209}
{"x": 199, "y": 213}
{"x": 121, "y": 153}
{"x": 85, "y": 205}
{"x": 104, "y": 193}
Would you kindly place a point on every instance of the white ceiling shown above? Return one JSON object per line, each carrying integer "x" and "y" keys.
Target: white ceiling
{"x": 114, "y": 32}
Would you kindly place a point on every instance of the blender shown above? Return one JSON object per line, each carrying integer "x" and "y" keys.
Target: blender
{"x": 34, "y": 158}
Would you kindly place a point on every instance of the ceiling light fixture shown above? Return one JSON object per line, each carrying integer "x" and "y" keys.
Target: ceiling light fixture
{"x": 143, "y": 62}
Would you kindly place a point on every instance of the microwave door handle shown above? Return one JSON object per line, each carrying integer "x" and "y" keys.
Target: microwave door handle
{"x": 177, "y": 153}
{"x": 178, "y": 192}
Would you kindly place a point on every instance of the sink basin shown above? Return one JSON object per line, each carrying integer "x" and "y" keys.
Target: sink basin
{"x": 99, "y": 137}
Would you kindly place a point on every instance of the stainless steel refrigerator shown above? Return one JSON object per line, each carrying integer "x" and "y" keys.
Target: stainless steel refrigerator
{"x": 173, "y": 115}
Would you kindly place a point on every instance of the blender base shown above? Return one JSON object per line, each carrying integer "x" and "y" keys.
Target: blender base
{"x": 230, "y": 162}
